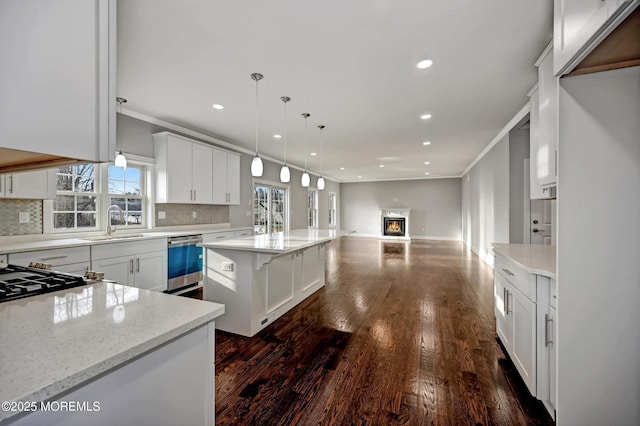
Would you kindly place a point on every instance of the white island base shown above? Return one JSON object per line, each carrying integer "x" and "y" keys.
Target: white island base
{"x": 260, "y": 278}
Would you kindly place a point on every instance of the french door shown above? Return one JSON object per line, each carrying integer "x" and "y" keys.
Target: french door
{"x": 269, "y": 208}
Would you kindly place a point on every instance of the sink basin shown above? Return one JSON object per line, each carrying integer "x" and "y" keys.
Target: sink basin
{"x": 114, "y": 237}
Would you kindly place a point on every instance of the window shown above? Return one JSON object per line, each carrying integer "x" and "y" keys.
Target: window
{"x": 269, "y": 208}
{"x": 125, "y": 188}
{"x": 76, "y": 203}
{"x": 312, "y": 208}
{"x": 332, "y": 209}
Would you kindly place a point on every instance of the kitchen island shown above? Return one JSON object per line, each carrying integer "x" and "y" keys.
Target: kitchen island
{"x": 260, "y": 278}
{"x": 106, "y": 354}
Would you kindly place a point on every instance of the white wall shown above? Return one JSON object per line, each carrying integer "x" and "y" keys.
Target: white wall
{"x": 599, "y": 249}
{"x": 434, "y": 203}
{"x": 485, "y": 201}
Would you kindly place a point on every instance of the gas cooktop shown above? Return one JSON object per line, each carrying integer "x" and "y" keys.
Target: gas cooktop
{"x": 17, "y": 282}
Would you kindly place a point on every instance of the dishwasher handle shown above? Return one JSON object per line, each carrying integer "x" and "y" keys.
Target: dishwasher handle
{"x": 184, "y": 241}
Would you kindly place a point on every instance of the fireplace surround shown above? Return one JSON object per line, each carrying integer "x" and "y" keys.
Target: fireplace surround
{"x": 394, "y": 224}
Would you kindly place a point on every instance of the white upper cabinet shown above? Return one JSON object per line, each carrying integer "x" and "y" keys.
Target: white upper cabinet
{"x": 38, "y": 184}
{"x": 580, "y": 25}
{"x": 226, "y": 177}
{"x": 57, "y": 79}
{"x": 183, "y": 170}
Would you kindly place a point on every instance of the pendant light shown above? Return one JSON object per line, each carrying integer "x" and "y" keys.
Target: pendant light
{"x": 120, "y": 160}
{"x": 256, "y": 165}
{"x": 306, "y": 180}
{"x": 320, "y": 183}
{"x": 285, "y": 173}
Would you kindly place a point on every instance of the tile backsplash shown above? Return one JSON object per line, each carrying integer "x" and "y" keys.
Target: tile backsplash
{"x": 182, "y": 214}
{"x": 10, "y": 211}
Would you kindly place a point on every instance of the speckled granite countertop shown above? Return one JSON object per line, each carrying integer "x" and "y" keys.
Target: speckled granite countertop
{"x": 279, "y": 242}
{"x": 534, "y": 258}
{"x": 53, "y": 342}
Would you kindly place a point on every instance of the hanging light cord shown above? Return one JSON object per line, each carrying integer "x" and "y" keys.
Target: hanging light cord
{"x": 305, "y": 141}
{"x": 257, "y": 116}
{"x": 321, "y": 151}
{"x": 285, "y": 130}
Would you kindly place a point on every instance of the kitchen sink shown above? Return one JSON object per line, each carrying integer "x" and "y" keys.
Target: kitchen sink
{"x": 114, "y": 237}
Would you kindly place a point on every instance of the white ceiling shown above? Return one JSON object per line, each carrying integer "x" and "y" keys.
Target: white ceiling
{"x": 350, "y": 64}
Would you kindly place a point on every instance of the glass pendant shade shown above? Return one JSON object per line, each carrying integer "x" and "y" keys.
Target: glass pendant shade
{"x": 256, "y": 167}
{"x": 285, "y": 174}
{"x": 121, "y": 160}
{"x": 320, "y": 183}
{"x": 306, "y": 180}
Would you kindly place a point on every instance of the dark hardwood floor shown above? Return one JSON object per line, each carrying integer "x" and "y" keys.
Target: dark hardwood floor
{"x": 402, "y": 333}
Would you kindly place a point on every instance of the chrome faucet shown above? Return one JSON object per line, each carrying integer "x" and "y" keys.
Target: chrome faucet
{"x": 110, "y": 230}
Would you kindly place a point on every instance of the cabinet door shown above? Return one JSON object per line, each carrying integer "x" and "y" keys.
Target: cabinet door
{"x": 62, "y": 105}
{"x": 151, "y": 271}
{"x": 523, "y": 354}
{"x": 38, "y": 184}
{"x": 118, "y": 269}
{"x": 220, "y": 193}
{"x": 547, "y": 144}
{"x": 504, "y": 323}
{"x": 233, "y": 178}
{"x": 202, "y": 175}
{"x": 179, "y": 171}
{"x": 535, "y": 188}
{"x": 553, "y": 396}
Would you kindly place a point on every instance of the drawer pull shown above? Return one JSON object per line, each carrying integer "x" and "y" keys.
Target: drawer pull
{"x": 219, "y": 237}
{"x": 54, "y": 257}
{"x": 508, "y": 272}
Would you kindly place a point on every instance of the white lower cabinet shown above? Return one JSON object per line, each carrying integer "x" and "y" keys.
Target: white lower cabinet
{"x": 138, "y": 264}
{"x": 72, "y": 260}
{"x": 525, "y": 324}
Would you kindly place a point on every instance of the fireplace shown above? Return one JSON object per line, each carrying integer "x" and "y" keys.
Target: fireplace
{"x": 394, "y": 226}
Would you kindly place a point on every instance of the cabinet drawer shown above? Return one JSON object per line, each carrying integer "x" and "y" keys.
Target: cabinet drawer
{"x": 518, "y": 277}
{"x": 242, "y": 233}
{"x": 553, "y": 296}
{"x": 129, "y": 248}
{"x": 217, "y": 236}
{"x": 54, "y": 257}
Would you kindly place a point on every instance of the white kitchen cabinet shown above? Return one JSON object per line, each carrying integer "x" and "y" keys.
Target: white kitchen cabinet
{"x": 73, "y": 260}
{"x": 504, "y": 322}
{"x": 38, "y": 184}
{"x": 141, "y": 264}
{"x": 183, "y": 170}
{"x": 544, "y": 148}
{"x": 242, "y": 233}
{"x": 580, "y": 25}
{"x": 226, "y": 177}
{"x": 212, "y": 237}
{"x": 523, "y": 350}
{"x": 58, "y": 104}
{"x": 536, "y": 190}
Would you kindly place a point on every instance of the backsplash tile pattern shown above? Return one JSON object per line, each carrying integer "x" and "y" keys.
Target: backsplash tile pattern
{"x": 182, "y": 214}
{"x": 10, "y": 217}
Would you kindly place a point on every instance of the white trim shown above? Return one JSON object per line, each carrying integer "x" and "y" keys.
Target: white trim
{"x": 140, "y": 159}
{"x": 505, "y": 130}
{"x": 544, "y": 53}
{"x": 394, "y": 179}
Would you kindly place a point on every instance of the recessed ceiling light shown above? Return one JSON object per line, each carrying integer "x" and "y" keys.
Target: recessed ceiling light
{"x": 426, "y": 143}
{"x": 425, "y": 116}
{"x": 426, "y": 173}
{"x": 218, "y": 106}
{"x": 313, "y": 154}
{"x": 427, "y": 162}
{"x": 341, "y": 168}
{"x": 381, "y": 165}
{"x": 277, "y": 136}
{"x": 425, "y": 63}
{"x": 359, "y": 177}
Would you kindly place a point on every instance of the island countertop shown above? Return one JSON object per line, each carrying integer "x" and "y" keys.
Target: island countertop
{"x": 53, "y": 342}
{"x": 278, "y": 242}
{"x": 534, "y": 258}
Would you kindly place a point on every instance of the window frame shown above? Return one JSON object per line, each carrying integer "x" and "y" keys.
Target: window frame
{"x": 312, "y": 219}
{"x": 332, "y": 207}
{"x": 97, "y": 182}
{"x": 142, "y": 197}
{"x": 286, "y": 205}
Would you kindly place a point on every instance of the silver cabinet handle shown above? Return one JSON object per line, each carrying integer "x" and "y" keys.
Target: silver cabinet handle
{"x": 194, "y": 195}
{"x": 547, "y": 334}
{"x": 137, "y": 264}
{"x": 131, "y": 266}
{"x": 220, "y": 236}
{"x": 508, "y": 272}
{"x": 191, "y": 194}
{"x": 11, "y": 186}
{"x": 504, "y": 300}
{"x": 54, "y": 257}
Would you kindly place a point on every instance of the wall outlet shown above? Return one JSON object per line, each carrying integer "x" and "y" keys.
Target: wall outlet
{"x": 23, "y": 217}
{"x": 194, "y": 214}
{"x": 162, "y": 215}
{"x": 227, "y": 266}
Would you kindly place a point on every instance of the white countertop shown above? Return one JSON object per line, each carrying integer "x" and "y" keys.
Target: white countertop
{"x": 22, "y": 243}
{"x": 534, "y": 258}
{"x": 279, "y": 242}
{"x": 53, "y": 342}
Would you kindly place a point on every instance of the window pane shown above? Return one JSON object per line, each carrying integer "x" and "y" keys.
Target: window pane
{"x": 86, "y": 220}
{"x": 65, "y": 203}
{"x": 86, "y": 203}
{"x": 133, "y": 174}
{"x": 134, "y": 204}
{"x": 116, "y": 172}
{"x": 132, "y": 188}
{"x": 63, "y": 220}
{"x": 116, "y": 186}
{"x": 120, "y": 202}
{"x": 64, "y": 182}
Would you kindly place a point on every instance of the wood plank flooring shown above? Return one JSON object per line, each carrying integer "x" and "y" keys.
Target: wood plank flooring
{"x": 402, "y": 333}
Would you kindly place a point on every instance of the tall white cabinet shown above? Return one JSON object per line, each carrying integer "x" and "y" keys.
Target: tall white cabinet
{"x": 58, "y": 77}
